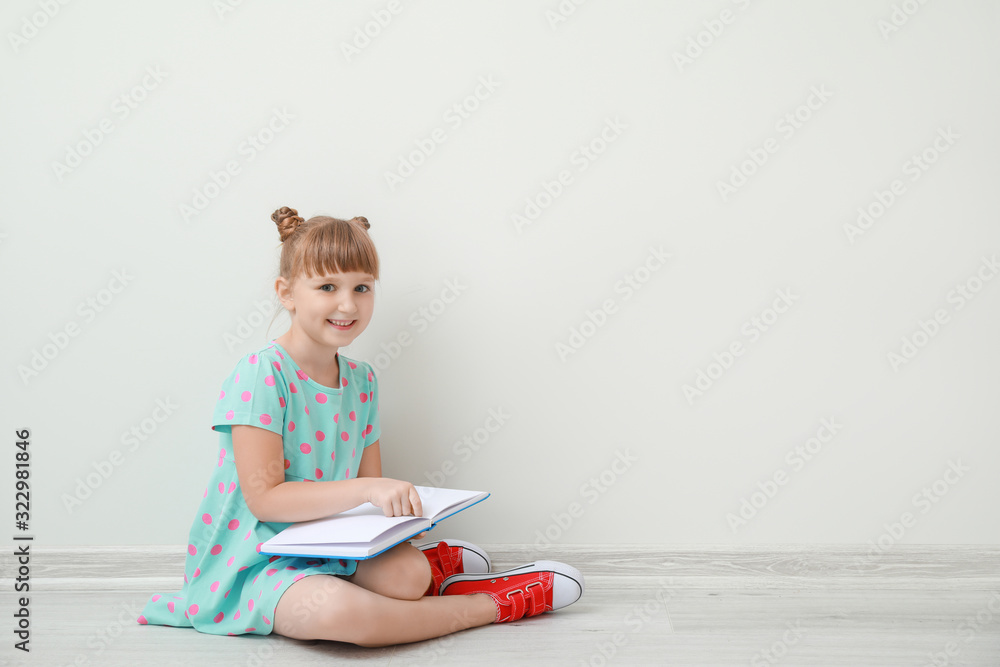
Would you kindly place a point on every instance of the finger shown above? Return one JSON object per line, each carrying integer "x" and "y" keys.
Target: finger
{"x": 418, "y": 508}
{"x": 387, "y": 509}
{"x": 405, "y": 505}
{"x": 397, "y": 509}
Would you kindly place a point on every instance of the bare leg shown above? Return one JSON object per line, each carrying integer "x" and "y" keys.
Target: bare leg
{"x": 328, "y": 607}
{"x": 402, "y": 572}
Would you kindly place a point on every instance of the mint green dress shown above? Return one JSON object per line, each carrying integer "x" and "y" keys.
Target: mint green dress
{"x": 230, "y": 588}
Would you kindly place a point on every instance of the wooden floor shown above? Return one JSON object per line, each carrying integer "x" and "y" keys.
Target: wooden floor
{"x": 768, "y": 605}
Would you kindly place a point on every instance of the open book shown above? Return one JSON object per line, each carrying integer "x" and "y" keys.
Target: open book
{"x": 364, "y": 532}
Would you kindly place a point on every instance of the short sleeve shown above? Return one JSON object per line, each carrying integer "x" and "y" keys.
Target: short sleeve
{"x": 374, "y": 428}
{"x": 253, "y": 394}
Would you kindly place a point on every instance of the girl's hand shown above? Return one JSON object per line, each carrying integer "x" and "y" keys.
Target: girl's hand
{"x": 395, "y": 496}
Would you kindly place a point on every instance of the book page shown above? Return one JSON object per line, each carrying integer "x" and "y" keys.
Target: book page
{"x": 362, "y": 524}
{"x": 437, "y": 502}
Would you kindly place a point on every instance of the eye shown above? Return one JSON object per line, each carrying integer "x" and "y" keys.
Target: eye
{"x": 367, "y": 289}
{"x": 326, "y": 285}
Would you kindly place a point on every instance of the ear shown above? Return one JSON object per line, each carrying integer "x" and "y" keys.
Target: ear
{"x": 284, "y": 292}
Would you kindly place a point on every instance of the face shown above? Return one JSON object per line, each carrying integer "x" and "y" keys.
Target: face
{"x": 330, "y": 310}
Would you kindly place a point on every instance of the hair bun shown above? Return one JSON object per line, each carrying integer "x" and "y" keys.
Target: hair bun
{"x": 288, "y": 220}
{"x": 362, "y": 220}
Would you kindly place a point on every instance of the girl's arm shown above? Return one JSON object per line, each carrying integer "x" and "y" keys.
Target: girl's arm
{"x": 371, "y": 461}
{"x": 260, "y": 466}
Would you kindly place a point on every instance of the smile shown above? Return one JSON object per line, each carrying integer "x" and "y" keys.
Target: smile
{"x": 341, "y": 324}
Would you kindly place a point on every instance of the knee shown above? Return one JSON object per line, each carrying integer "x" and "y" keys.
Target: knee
{"x": 414, "y": 574}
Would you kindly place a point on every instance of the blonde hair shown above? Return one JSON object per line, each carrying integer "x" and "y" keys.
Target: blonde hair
{"x": 323, "y": 245}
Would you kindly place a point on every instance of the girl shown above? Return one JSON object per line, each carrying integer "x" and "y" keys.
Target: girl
{"x": 299, "y": 432}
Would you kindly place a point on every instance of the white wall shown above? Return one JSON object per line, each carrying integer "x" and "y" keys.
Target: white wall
{"x": 683, "y": 127}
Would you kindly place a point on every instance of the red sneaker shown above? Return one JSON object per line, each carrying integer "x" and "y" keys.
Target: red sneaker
{"x": 529, "y": 590}
{"x": 448, "y": 557}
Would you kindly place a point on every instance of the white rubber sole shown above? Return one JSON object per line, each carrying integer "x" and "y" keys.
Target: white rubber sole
{"x": 474, "y": 559}
{"x": 567, "y": 584}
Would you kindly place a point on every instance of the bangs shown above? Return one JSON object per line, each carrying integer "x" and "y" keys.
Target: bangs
{"x": 336, "y": 247}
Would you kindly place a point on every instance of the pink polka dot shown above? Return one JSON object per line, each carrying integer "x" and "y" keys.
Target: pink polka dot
{"x": 271, "y": 571}
{"x": 319, "y": 473}
{"x": 229, "y": 415}
{"x": 214, "y": 587}
{"x": 219, "y": 617}
{"x": 364, "y": 398}
{"x": 237, "y": 378}
{"x": 269, "y": 380}
{"x": 236, "y": 616}
{"x": 287, "y": 464}
{"x": 291, "y": 426}
{"x": 333, "y": 455}
{"x": 266, "y": 619}
{"x": 371, "y": 396}
{"x": 197, "y": 571}
{"x": 368, "y": 429}
{"x": 305, "y": 447}
{"x": 276, "y": 364}
{"x": 229, "y": 562}
{"x": 205, "y": 495}
{"x": 226, "y": 594}
{"x": 259, "y": 544}
{"x": 276, "y": 587}
{"x": 222, "y": 487}
{"x": 170, "y": 607}
{"x": 336, "y": 418}
{"x": 222, "y": 394}
{"x": 344, "y": 436}
{"x": 156, "y": 597}
{"x": 142, "y": 619}
{"x": 278, "y": 352}
{"x": 353, "y": 416}
{"x": 193, "y": 609}
{"x": 353, "y": 450}
{"x": 347, "y": 474}
{"x": 232, "y": 487}
{"x": 248, "y": 535}
{"x": 320, "y": 435}
{"x": 291, "y": 385}
{"x": 298, "y": 576}
{"x": 192, "y": 549}
{"x": 352, "y": 364}
{"x": 234, "y": 524}
{"x": 253, "y": 359}
{"x": 281, "y": 401}
{"x": 343, "y": 381}
{"x": 306, "y": 408}
{"x": 321, "y": 398}
{"x": 370, "y": 376}
{"x": 265, "y": 419}
{"x": 206, "y": 517}
{"x": 246, "y": 396}
{"x": 250, "y": 605}
{"x": 251, "y": 629}
{"x": 217, "y": 549}
{"x": 301, "y": 374}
